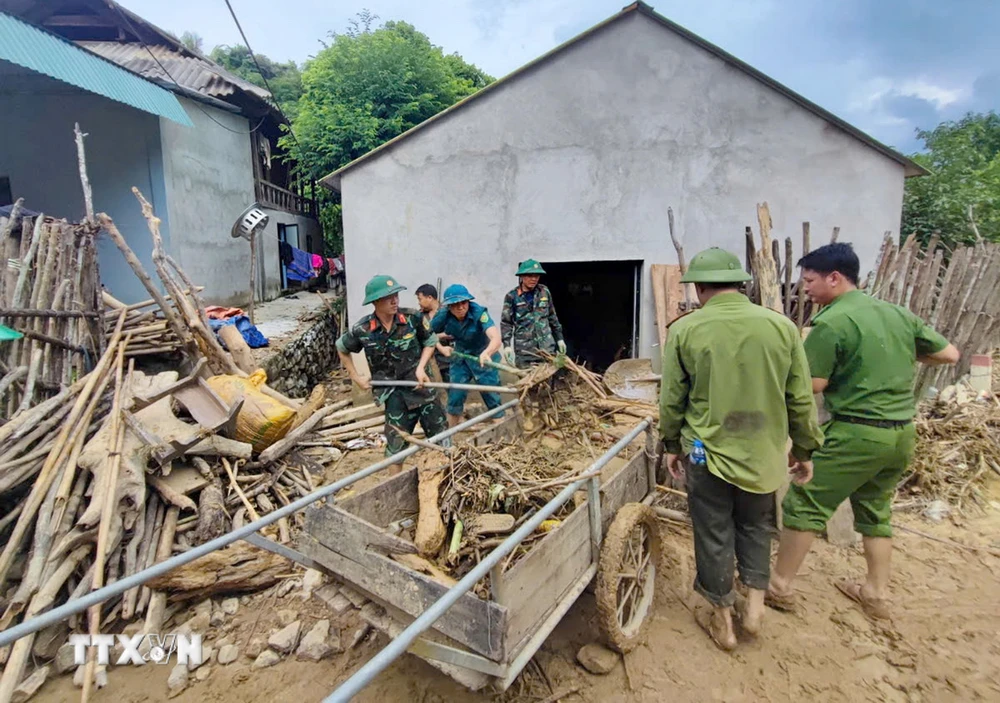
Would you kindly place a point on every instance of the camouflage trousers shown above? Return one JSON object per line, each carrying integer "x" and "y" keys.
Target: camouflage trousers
{"x": 430, "y": 415}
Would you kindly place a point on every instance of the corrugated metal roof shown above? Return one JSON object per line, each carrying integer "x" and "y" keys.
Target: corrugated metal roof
{"x": 191, "y": 72}
{"x": 37, "y": 50}
{"x": 911, "y": 168}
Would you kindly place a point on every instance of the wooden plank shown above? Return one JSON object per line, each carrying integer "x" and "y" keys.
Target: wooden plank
{"x": 509, "y": 428}
{"x": 391, "y": 500}
{"x": 349, "y": 535}
{"x": 342, "y": 417}
{"x": 658, "y": 279}
{"x": 629, "y": 485}
{"x": 536, "y": 584}
{"x": 185, "y": 480}
{"x": 479, "y": 625}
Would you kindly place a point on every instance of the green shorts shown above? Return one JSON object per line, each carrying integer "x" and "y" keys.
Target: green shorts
{"x": 859, "y": 462}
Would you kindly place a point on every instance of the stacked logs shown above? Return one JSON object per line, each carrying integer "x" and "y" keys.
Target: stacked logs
{"x": 148, "y": 327}
{"x": 49, "y": 291}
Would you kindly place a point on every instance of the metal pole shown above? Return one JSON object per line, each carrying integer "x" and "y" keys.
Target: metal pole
{"x": 399, "y": 644}
{"x": 78, "y": 605}
{"x": 447, "y": 386}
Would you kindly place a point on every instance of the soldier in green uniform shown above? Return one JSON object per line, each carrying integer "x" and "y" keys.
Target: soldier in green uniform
{"x": 735, "y": 387}
{"x": 528, "y": 323}
{"x": 398, "y": 344}
{"x": 862, "y": 357}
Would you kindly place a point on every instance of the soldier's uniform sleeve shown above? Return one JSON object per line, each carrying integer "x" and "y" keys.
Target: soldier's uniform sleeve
{"x": 439, "y": 320}
{"x": 821, "y": 350}
{"x": 507, "y": 320}
{"x": 349, "y": 343}
{"x": 485, "y": 321}
{"x": 425, "y": 335}
{"x": 554, "y": 324}
{"x": 928, "y": 340}
{"x": 803, "y": 419}
{"x": 676, "y": 384}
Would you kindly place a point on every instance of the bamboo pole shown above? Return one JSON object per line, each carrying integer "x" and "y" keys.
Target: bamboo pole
{"x": 48, "y": 472}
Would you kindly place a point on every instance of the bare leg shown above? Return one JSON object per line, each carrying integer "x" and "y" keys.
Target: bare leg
{"x": 878, "y": 554}
{"x": 754, "y": 610}
{"x": 792, "y": 550}
{"x": 722, "y": 628}
{"x": 454, "y": 420}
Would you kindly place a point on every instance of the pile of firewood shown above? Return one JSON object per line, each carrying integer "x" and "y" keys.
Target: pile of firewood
{"x": 87, "y": 497}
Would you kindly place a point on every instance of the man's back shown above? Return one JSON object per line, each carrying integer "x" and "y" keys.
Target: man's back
{"x": 744, "y": 373}
{"x": 867, "y": 349}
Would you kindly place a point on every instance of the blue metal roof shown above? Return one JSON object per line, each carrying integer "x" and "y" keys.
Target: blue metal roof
{"x": 37, "y": 50}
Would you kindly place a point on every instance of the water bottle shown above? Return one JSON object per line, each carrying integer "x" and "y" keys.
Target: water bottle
{"x": 698, "y": 457}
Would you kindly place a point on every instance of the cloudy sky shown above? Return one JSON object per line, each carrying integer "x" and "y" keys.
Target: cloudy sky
{"x": 887, "y": 66}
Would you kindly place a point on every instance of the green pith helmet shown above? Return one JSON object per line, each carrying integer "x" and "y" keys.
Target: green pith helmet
{"x": 380, "y": 287}
{"x": 715, "y": 265}
{"x": 9, "y": 335}
{"x": 530, "y": 267}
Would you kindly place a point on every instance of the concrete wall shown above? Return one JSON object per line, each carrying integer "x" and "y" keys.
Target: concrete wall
{"x": 209, "y": 182}
{"x": 579, "y": 159}
{"x": 269, "y": 262}
{"x": 38, "y": 154}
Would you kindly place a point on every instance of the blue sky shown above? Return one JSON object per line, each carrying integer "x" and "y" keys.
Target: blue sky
{"x": 886, "y": 66}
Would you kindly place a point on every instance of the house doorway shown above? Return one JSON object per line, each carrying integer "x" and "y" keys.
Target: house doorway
{"x": 290, "y": 235}
{"x": 598, "y": 306}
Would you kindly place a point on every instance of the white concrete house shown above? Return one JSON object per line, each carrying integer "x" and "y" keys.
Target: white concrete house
{"x": 574, "y": 159}
{"x": 201, "y": 152}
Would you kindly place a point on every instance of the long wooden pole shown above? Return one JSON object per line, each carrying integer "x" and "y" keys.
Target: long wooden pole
{"x": 54, "y": 459}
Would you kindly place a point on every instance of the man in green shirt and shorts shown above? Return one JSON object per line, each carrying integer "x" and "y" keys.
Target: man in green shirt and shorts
{"x": 862, "y": 357}
{"x": 735, "y": 383}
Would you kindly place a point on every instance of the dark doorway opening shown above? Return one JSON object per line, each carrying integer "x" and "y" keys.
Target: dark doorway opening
{"x": 598, "y": 306}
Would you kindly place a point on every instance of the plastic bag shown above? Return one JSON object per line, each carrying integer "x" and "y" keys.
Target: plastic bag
{"x": 262, "y": 420}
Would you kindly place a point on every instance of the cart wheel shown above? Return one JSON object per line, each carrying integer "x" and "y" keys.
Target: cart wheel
{"x": 626, "y": 576}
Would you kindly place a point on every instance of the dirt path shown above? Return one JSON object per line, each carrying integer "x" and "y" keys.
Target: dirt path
{"x": 942, "y": 645}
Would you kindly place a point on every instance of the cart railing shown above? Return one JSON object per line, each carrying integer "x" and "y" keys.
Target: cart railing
{"x": 402, "y": 642}
{"x": 247, "y": 532}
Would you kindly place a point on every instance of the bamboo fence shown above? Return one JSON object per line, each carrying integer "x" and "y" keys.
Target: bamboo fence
{"x": 50, "y": 292}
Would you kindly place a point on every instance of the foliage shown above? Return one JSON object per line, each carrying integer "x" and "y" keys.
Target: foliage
{"x": 368, "y": 86}
{"x": 284, "y": 79}
{"x": 964, "y": 160}
{"x": 193, "y": 41}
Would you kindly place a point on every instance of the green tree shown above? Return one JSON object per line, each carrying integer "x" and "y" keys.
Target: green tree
{"x": 284, "y": 79}
{"x": 964, "y": 185}
{"x": 365, "y": 87}
{"x": 368, "y": 86}
{"x": 193, "y": 41}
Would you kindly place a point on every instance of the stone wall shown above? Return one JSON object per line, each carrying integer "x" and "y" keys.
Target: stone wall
{"x": 304, "y": 361}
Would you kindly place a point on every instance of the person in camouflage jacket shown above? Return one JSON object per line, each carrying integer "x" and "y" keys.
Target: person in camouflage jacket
{"x": 397, "y": 343}
{"x": 529, "y": 323}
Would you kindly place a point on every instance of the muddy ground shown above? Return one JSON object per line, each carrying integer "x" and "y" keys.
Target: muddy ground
{"x": 941, "y": 645}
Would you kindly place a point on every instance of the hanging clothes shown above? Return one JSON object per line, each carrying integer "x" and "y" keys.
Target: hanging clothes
{"x": 285, "y": 253}
{"x": 317, "y": 261}
{"x": 300, "y": 269}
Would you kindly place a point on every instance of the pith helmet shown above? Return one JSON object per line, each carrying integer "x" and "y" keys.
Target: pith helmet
{"x": 456, "y": 293}
{"x": 380, "y": 287}
{"x": 7, "y": 334}
{"x": 715, "y": 265}
{"x": 530, "y": 267}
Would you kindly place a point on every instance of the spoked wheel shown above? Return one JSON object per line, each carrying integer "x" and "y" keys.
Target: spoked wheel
{"x": 626, "y": 576}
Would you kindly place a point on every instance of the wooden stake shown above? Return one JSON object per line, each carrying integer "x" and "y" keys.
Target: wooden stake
{"x": 81, "y": 158}
{"x": 688, "y": 287}
{"x": 802, "y": 289}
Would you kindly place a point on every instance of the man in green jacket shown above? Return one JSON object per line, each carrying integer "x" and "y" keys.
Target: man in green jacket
{"x": 862, "y": 356}
{"x": 735, "y": 387}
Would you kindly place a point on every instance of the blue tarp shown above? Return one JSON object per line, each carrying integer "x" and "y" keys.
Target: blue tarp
{"x": 251, "y": 335}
